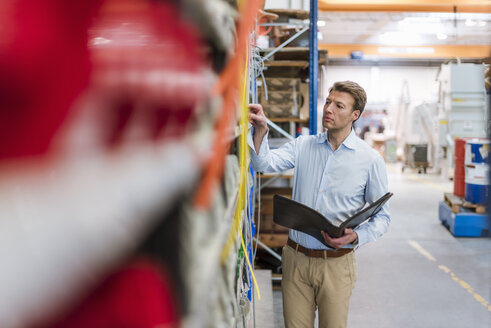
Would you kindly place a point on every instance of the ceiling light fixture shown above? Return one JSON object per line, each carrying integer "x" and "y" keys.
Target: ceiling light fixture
{"x": 419, "y": 19}
{"x": 400, "y": 38}
{"x": 412, "y": 25}
{"x": 406, "y": 50}
{"x": 321, "y": 23}
{"x": 441, "y": 36}
{"x": 481, "y": 23}
{"x": 470, "y": 22}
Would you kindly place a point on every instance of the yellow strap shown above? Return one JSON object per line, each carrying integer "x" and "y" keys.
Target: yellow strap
{"x": 243, "y": 160}
{"x": 244, "y": 169}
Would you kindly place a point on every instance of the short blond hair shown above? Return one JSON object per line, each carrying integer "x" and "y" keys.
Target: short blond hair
{"x": 355, "y": 90}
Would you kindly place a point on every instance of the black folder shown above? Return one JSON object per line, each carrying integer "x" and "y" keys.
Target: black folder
{"x": 294, "y": 215}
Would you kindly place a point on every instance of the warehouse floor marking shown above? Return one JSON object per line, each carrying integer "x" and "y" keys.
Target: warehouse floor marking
{"x": 452, "y": 275}
{"x": 467, "y": 287}
{"x": 420, "y": 249}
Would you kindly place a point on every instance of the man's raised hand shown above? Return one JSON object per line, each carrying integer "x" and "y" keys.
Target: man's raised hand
{"x": 257, "y": 117}
{"x": 258, "y": 121}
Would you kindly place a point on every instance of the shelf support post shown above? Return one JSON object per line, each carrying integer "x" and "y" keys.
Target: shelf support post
{"x": 313, "y": 67}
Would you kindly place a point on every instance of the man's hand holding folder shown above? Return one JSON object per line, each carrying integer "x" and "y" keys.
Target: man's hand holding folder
{"x": 300, "y": 217}
{"x": 348, "y": 237}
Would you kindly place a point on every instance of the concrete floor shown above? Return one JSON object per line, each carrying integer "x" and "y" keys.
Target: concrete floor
{"x": 418, "y": 274}
{"x": 264, "y": 308}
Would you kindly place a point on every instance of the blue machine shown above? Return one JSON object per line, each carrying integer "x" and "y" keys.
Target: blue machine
{"x": 464, "y": 224}
{"x": 477, "y": 171}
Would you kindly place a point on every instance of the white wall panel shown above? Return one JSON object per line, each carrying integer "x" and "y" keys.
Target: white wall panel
{"x": 384, "y": 84}
{"x": 294, "y": 4}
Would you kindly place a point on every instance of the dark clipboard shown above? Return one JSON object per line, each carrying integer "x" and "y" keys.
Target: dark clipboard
{"x": 294, "y": 215}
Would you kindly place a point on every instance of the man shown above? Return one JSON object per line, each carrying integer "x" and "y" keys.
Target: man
{"x": 335, "y": 173}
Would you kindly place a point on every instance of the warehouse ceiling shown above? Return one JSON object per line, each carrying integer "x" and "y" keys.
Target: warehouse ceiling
{"x": 405, "y": 28}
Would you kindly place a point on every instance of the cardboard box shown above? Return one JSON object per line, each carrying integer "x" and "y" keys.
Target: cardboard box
{"x": 286, "y": 98}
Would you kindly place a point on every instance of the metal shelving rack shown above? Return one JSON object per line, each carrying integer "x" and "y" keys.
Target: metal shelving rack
{"x": 313, "y": 62}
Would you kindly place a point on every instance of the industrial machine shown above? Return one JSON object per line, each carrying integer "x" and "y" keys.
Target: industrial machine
{"x": 463, "y": 106}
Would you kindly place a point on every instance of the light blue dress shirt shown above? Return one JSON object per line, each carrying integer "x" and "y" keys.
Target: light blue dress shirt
{"x": 335, "y": 183}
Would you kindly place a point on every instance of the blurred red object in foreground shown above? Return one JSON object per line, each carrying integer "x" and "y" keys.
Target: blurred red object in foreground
{"x": 139, "y": 295}
{"x": 144, "y": 63}
{"x": 44, "y": 65}
{"x": 149, "y": 68}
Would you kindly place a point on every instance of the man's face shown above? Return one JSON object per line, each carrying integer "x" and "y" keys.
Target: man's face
{"x": 338, "y": 111}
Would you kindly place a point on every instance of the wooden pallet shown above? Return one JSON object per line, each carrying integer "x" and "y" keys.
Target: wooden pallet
{"x": 456, "y": 203}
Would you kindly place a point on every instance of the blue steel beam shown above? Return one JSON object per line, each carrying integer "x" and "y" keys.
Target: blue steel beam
{"x": 313, "y": 67}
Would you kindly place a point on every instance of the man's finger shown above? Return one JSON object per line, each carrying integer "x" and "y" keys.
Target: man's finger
{"x": 254, "y": 116}
{"x": 256, "y": 108}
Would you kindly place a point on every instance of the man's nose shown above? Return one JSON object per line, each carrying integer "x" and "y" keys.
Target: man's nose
{"x": 327, "y": 108}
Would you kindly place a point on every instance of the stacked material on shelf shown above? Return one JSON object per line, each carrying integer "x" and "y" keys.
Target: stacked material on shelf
{"x": 216, "y": 20}
{"x": 285, "y": 97}
{"x": 101, "y": 138}
{"x": 290, "y": 18}
{"x": 114, "y": 169}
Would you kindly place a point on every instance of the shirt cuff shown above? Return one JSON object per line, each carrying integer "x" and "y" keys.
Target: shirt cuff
{"x": 264, "y": 143}
{"x": 362, "y": 238}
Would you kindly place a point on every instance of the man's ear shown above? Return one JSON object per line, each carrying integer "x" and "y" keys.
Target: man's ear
{"x": 355, "y": 114}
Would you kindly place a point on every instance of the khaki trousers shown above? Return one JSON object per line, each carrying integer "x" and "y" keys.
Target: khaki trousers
{"x": 310, "y": 282}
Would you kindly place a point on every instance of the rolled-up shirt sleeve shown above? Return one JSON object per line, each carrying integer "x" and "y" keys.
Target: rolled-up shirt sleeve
{"x": 376, "y": 187}
{"x": 270, "y": 161}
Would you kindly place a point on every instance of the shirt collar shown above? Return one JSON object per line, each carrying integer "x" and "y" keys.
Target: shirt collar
{"x": 349, "y": 142}
{"x": 322, "y": 137}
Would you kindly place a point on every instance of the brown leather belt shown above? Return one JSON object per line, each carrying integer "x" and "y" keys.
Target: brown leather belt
{"x": 318, "y": 252}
